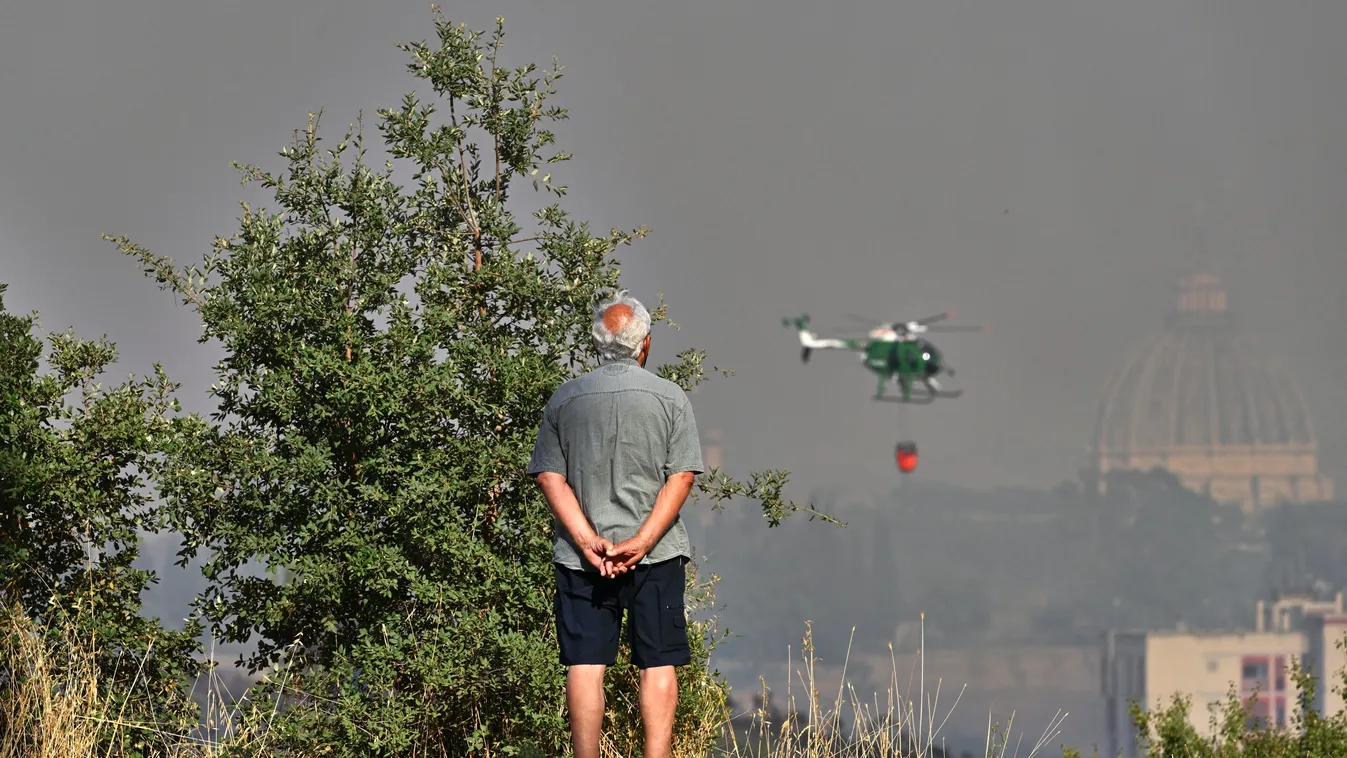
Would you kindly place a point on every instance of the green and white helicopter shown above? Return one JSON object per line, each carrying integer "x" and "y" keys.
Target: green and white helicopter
{"x": 894, "y": 351}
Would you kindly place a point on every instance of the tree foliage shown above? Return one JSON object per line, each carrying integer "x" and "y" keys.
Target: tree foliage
{"x": 358, "y": 496}
{"x": 1167, "y": 731}
{"x": 1016, "y": 566}
{"x": 75, "y": 462}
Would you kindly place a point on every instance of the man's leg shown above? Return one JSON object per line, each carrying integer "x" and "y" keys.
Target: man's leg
{"x": 659, "y": 643}
{"x": 659, "y": 700}
{"x": 588, "y": 620}
{"x": 584, "y": 699}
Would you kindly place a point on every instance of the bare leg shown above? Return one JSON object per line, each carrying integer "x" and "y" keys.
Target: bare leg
{"x": 659, "y": 700}
{"x": 584, "y": 698}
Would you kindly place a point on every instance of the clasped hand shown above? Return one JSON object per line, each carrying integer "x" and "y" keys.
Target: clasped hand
{"x": 614, "y": 560}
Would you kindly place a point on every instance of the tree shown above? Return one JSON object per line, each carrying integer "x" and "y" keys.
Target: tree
{"x": 1305, "y": 545}
{"x": 76, "y": 461}
{"x": 388, "y": 351}
{"x": 1174, "y": 555}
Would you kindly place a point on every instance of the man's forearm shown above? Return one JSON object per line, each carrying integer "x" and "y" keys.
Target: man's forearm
{"x": 561, "y": 499}
{"x": 667, "y": 504}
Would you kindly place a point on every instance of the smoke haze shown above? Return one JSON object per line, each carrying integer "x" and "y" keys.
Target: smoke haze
{"x": 1043, "y": 167}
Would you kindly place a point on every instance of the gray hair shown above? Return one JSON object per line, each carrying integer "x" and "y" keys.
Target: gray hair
{"x": 626, "y": 342}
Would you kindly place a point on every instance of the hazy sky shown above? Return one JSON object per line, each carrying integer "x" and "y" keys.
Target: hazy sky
{"x": 1040, "y": 166}
{"x": 1037, "y": 165}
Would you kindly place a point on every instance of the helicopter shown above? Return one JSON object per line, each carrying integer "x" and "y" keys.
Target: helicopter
{"x": 894, "y": 351}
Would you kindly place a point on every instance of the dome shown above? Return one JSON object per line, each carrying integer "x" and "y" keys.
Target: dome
{"x": 1198, "y": 399}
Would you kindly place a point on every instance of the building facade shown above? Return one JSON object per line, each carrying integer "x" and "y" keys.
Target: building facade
{"x": 1198, "y": 399}
{"x": 1152, "y": 667}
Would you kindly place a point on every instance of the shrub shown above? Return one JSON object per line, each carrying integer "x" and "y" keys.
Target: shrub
{"x": 76, "y": 462}
{"x": 388, "y": 351}
{"x": 1168, "y": 732}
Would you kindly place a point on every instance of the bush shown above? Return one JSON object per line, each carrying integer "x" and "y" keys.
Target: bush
{"x": 76, "y": 462}
{"x": 388, "y": 351}
{"x": 1168, "y": 732}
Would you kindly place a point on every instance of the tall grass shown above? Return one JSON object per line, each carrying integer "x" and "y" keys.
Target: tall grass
{"x": 52, "y": 704}
{"x": 851, "y": 727}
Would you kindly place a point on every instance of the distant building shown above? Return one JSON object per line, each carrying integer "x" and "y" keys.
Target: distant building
{"x": 713, "y": 450}
{"x": 1195, "y": 398}
{"x": 713, "y": 459}
{"x": 1151, "y": 667}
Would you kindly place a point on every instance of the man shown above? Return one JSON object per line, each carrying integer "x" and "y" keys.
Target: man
{"x": 616, "y": 455}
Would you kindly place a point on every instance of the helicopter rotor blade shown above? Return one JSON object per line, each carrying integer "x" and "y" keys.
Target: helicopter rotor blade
{"x": 848, "y": 331}
{"x": 935, "y": 318}
{"x": 903, "y": 327}
{"x": 957, "y": 328}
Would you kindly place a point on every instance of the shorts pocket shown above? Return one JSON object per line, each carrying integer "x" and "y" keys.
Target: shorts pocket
{"x": 674, "y": 627}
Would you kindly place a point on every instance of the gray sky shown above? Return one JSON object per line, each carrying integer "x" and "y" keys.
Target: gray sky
{"x": 1040, "y": 166}
{"x": 1036, "y": 165}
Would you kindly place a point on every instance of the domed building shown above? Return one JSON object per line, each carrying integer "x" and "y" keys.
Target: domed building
{"x": 1197, "y": 399}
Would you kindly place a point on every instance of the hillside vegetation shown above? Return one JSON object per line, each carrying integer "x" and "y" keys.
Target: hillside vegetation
{"x": 1014, "y": 567}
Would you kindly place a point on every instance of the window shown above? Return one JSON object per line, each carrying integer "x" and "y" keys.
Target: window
{"x": 1265, "y": 711}
{"x": 1280, "y": 674}
{"x": 1257, "y": 717}
{"x": 1254, "y": 671}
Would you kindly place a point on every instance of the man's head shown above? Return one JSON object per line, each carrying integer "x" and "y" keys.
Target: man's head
{"x": 621, "y": 329}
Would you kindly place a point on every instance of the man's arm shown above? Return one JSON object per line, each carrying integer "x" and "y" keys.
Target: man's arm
{"x": 670, "y": 500}
{"x": 561, "y": 499}
{"x": 683, "y": 461}
{"x": 667, "y": 505}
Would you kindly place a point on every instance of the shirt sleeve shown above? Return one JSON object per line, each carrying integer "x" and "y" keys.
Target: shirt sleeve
{"x": 685, "y": 447}
{"x": 547, "y": 452}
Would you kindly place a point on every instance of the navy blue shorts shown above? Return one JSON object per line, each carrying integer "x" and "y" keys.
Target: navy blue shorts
{"x": 589, "y": 610}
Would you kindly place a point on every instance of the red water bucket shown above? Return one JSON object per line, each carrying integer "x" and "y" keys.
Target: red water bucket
{"x": 906, "y": 456}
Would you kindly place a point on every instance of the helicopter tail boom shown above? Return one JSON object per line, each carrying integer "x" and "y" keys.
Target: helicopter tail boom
{"x": 809, "y": 342}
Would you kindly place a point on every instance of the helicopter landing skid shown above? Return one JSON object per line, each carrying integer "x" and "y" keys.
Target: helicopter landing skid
{"x": 924, "y": 398}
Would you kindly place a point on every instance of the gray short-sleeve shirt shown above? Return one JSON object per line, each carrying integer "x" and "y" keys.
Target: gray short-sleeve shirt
{"x": 616, "y": 433}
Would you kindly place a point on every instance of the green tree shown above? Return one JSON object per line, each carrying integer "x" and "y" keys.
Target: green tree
{"x": 1234, "y": 731}
{"x": 1305, "y": 543}
{"x": 388, "y": 351}
{"x": 76, "y": 462}
{"x": 1171, "y": 555}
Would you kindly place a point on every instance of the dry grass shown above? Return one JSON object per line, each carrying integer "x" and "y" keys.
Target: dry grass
{"x": 44, "y": 713}
{"x": 850, "y": 727}
{"x": 51, "y": 705}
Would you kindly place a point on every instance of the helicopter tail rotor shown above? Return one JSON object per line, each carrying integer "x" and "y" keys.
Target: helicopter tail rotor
{"x": 801, "y": 325}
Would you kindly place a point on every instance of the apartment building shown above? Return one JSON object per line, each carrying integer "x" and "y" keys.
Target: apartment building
{"x": 1151, "y": 667}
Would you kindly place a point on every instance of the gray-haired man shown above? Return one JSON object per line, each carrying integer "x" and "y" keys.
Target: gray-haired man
{"x": 616, "y": 456}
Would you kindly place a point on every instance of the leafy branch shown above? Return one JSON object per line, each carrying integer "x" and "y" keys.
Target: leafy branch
{"x": 763, "y": 486}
